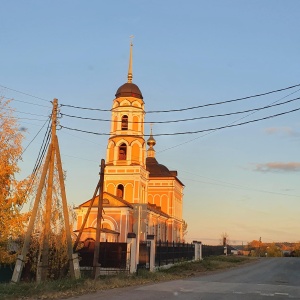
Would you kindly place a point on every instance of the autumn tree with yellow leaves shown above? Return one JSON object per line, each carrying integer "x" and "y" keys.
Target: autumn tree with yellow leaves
{"x": 12, "y": 191}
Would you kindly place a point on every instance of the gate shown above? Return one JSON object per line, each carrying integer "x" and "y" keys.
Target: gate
{"x": 113, "y": 257}
{"x": 144, "y": 255}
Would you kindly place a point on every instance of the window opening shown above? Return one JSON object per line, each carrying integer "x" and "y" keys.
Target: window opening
{"x": 122, "y": 152}
{"x": 124, "y": 122}
{"x": 120, "y": 190}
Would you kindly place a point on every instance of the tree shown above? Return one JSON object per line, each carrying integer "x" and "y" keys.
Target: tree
{"x": 272, "y": 250}
{"x": 184, "y": 229}
{"x": 12, "y": 192}
{"x": 224, "y": 239}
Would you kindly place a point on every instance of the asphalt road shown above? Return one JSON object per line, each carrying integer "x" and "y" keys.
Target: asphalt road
{"x": 269, "y": 278}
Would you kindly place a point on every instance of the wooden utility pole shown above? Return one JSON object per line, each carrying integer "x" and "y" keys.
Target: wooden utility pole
{"x": 96, "y": 266}
{"x": 86, "y": 216}
{"x": 49, "y": 165}
{"x": 47, "y": 215}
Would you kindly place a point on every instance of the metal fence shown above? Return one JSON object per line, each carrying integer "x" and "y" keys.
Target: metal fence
{"x": 212, "y": 250}
{"x": 6, "y": 271}
{"x": 170, "y": 253}
{"x": 112, "y": 256}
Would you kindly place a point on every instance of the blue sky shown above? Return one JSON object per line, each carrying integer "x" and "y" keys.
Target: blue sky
{"x": 242, "y": 180}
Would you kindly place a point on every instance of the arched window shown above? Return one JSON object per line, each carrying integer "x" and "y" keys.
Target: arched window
{"x": 124, "y": 122}
{"x": 122, "y": 152}
{"x": 120, "y": 190}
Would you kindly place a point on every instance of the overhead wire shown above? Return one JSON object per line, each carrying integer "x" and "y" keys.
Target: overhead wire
{"x": 42, "y": 151}
{"x": 26, "y": 102}
{"x": 184, "y": 120}
{"x": 23, "y": 112}
{"x": 236, "y": 186}
{"x": 35, "y": 137}
{"x": 39, "y": 159}
{"x": 193, "y": 107}
{"x": 14, "y": 90}
{"x": 207, "y": 133}
{"x": 193, "y": 132}
{"x": 17, "y": 118}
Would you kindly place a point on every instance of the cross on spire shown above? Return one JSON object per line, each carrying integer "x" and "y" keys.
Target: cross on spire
{"x": 129, "y": 76}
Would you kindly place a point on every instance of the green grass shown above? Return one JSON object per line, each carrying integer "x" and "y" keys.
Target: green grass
{"x": 66, "y": 288}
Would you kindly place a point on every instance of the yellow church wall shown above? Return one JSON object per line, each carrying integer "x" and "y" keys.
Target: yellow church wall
{"x": 115, "y": 123}
{"x": 128, "y": 192}
{"x": 111, "y": 154}
{"x": 164, "y": 203}
{"x": 136, "y": 191}
{"x": 79, "y": 222}
{"x": 135, "y": 124}
{"x": 91, "y": 218}
{"x": 110, "y": 171}
{"x": 156, "y": 200}
{"x": 110, "y": 188}
{"x": 135, "y": 153}
{"x": 117, "y": 219}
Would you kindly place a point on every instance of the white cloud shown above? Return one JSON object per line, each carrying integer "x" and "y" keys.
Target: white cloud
{"x": 278, "y": 167}
{"x": 285, "y": 131}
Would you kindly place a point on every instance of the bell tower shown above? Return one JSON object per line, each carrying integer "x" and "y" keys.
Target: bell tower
{"x": 125, "y": 172}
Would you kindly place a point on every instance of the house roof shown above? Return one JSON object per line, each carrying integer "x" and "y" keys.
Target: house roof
{"x": 109, "y": 200}
{"x": 158, "y": 170}
{"x": 157, "y": 209}
{"x": 105, "y": 230}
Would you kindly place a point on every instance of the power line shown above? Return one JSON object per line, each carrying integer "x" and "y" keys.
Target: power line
{"x": 233, "y": 185}
{"x": 42, "y": 151}
{"x": 40, "y": 158}
{"x": 192, "y": 132}
{"x": 13, "y": 99}
{"x": 81, "y": 158}
{"x": 193, "y": 107}
{"x": 42, "y": 99}
{"x": 34, "y": 137}
{"x": 227, "y": 124}
{"x": 84, "y": 108}
{"x": 23, "y": 112}
{"x": 224, "y": 102}
{"x": 17, "y": 118}
{"x": 188, "y": 119}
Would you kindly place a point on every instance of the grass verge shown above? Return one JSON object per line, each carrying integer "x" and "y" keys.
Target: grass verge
{"x": 66, "y": 288}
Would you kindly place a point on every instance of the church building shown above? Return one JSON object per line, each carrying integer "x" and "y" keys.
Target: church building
{"x": 140, "y": 195}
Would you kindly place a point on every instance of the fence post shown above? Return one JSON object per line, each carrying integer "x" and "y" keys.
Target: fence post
{"x": 173, "y": 248}
{"x": 150, "y": 238}
{"x": 167, "y": 253}
{"x": 18, "y": 269}
{"x": 198, "y": 250}
{"x": 131, "y": 239}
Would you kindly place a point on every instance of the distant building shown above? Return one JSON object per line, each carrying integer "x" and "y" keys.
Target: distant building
{"x": 140, "y": 195}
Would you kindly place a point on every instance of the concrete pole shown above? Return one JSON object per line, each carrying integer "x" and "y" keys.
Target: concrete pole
{"x": 131, "y": 241}
{"x": 150, "y": 238}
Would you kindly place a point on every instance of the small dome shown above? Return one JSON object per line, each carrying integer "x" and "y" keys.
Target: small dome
{"x": 129, "y": 90}
{"x": 151, "y": 142}
{"x": 156, "y": 169}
